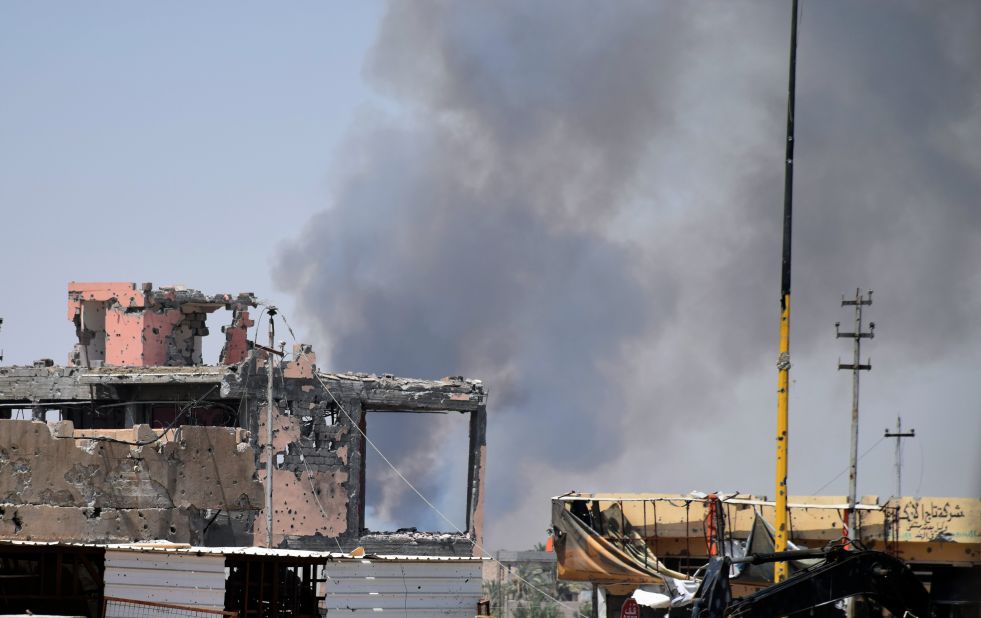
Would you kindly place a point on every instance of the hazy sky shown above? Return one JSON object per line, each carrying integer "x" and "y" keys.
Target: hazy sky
{"x": 176, "y": 144}
{"x": 578, "y": 203}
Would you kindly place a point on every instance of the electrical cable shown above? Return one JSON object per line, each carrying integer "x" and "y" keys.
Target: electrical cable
{"x": 426, "y": 500}
{"x": 316, "y": 495}
{"x": 177, "y": 417}
{"x": 303, "y": 460}
{"x": 837, "y": 476}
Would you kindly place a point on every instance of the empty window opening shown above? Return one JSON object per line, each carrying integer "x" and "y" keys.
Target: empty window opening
{"x": 260, "y": 587}
{"x": 51, "y": 580}
{"x": 432, "y": 451}
{"x": 17, "y": 414}
{"x": 158, "y": 414}
{"x": 174, "y": 415}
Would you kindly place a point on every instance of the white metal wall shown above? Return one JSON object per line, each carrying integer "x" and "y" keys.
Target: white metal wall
{"x": 182, "y": 579}
{"x": 407, "y": 589}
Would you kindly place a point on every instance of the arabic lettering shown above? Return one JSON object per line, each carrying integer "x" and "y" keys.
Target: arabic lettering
{"x": 923, "y": 520}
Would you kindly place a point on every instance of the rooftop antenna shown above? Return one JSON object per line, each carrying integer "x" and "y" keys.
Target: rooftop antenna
{"x": 783, "y": 360}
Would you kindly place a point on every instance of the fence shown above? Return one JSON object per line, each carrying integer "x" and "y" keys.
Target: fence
{"x": 114, "y": 607}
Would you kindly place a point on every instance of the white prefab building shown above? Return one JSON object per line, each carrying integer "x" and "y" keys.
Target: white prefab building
{"x": 404, "y": 586}
{"x": 156, "y": 579}
{"x": 182, "y": 578}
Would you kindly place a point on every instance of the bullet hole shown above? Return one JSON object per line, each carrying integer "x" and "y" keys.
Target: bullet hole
{"x": 173, "y": 529}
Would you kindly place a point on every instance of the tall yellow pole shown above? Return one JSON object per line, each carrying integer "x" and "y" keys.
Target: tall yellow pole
{"x": 783, "y": 384}
{"x": 783, "y": 362}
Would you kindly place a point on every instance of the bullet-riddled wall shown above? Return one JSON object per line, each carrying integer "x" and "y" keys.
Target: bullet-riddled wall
{"x": 175, "y": 450}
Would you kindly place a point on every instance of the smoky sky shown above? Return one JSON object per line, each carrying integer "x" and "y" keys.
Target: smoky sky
{"x": 580, "y": 205}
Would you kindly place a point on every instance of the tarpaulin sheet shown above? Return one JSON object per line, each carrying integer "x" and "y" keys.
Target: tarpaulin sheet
{"x": 621, "y": 555}
{"x": 584, "y": 555}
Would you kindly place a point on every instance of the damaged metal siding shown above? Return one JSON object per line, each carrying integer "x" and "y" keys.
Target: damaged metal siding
{"x": 404, "y": 588}
{"x": 179, "y": 579}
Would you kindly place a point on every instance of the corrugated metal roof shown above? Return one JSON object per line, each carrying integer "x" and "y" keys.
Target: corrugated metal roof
{"x": 180, "y": 548}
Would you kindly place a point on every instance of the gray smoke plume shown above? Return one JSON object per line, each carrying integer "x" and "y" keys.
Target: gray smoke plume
{"x": 580, "y": 204}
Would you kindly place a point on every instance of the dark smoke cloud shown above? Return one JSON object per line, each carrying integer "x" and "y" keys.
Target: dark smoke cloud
{"x": 580, "y": 204}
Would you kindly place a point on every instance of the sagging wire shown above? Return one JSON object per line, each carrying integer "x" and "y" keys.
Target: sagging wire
{"x": 303, "y": 460}
{"x": 432, "y": 506}
{"x": 177, "y": 417}
{"x": 255, "y": 337}
{"x": 288, "y": 327}
{"x": 244, "y": 398}
{"x": 484, "y": 553}
{"x": 837, "y": 476}
{"x": 316, "y": 495}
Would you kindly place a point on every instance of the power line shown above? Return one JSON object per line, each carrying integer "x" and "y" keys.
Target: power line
{"x": 843, "y": 470}
{"x": 409, "y": 484}
{"x": 421, "y": 496}
{"x": 429, "y": 503}
{"x": 316, "y": 495}
{"x": 163, "y": 433}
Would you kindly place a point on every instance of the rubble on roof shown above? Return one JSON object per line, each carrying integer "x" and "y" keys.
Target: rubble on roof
{"x": 102, "y": 474}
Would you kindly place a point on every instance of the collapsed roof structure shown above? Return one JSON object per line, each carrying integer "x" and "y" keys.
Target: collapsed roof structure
{"x": 659, "y": 544}
{"x": 135, "y": 439}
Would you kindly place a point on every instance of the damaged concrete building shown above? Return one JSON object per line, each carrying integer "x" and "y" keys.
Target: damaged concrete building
{"x": 134, "y": 439}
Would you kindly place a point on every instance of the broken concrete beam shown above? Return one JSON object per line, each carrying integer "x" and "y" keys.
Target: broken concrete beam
{"x": 108, "y": 525}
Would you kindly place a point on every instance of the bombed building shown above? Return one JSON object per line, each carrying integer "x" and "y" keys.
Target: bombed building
{"x": 135, "y": 439}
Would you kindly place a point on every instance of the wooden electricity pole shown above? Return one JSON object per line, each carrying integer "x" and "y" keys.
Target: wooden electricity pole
{"x": 856, "y": 367}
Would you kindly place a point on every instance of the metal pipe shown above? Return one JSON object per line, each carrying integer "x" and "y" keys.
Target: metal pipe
{"x": 269, "y": 430}
{"x": 780, "y": 556}
{"x": 783, "y": 360}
